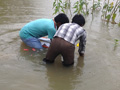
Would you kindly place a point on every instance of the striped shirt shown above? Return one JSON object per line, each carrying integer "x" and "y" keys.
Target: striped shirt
{"x": 72, "y": 32}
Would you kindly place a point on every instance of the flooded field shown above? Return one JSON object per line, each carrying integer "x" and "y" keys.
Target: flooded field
{"x": 24, "y": 70}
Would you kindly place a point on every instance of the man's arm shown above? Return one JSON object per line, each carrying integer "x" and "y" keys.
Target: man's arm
{"x": 82, "y": 44}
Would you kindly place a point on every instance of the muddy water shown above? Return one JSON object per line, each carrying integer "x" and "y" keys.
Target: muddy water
{"x": 24, "y": 70}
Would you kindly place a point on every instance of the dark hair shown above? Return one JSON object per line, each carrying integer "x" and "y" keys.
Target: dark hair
{"x": 79, "y": 19}
{"x": 61, "y": 18}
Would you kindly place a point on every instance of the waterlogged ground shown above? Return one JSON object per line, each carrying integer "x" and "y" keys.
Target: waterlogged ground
{"x": 24, "y": 70}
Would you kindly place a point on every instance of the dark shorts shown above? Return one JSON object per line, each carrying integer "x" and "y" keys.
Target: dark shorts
{"x": 60, "y": 46}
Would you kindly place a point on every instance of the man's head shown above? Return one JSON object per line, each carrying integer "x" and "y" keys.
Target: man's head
{"x": 79, "y": 19}
{"x": 61, "y": 19}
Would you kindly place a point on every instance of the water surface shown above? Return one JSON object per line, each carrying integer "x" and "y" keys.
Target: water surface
{"x": 24, "y": 70}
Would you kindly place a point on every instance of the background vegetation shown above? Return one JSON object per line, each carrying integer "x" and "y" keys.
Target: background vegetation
{"x": 110, "y": 9}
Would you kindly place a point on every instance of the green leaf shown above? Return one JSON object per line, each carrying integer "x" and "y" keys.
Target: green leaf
{"x": 108, "y": 17}
{"x": 60, "y": 1}
{"x": 114, "y": 16}
{"x": 76, "y": 3}
{"x": 63, "y": 11}
{"x": 54, "y": 4}
{"x": 105, "y": 6}
{"x": 119, "y": 24}
{"x": 76, "y": 11}
{"x": 116, "y": 40}
{"x": 59, "y": 5}
{"x": 75, "y": 6}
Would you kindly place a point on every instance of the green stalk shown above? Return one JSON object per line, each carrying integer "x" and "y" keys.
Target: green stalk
{"x": 93, "y": 6}
{"x": 70, "y": 8}
{"x": 79, "y": 8}
{"x": 107, "y": 11}
{"x": 86, "y": 7}
{"x": 115, "y": 9}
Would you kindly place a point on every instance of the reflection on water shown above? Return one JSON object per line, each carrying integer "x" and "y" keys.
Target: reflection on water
{"x": 63, "y": 78}
{"x": 25, "y": 70}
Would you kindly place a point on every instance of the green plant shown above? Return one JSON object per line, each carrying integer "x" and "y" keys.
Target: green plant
{"x": 58, "y": 6}
{"x": 109, "y": 11}
{"x": 116, "y": 42}
{"x": 78, "y": 6}
{"x": 119, "y": 24}
{"x": 96, "y": 5}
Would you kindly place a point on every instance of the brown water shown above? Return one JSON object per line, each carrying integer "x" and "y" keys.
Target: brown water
{"x": 24, "y": 70}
